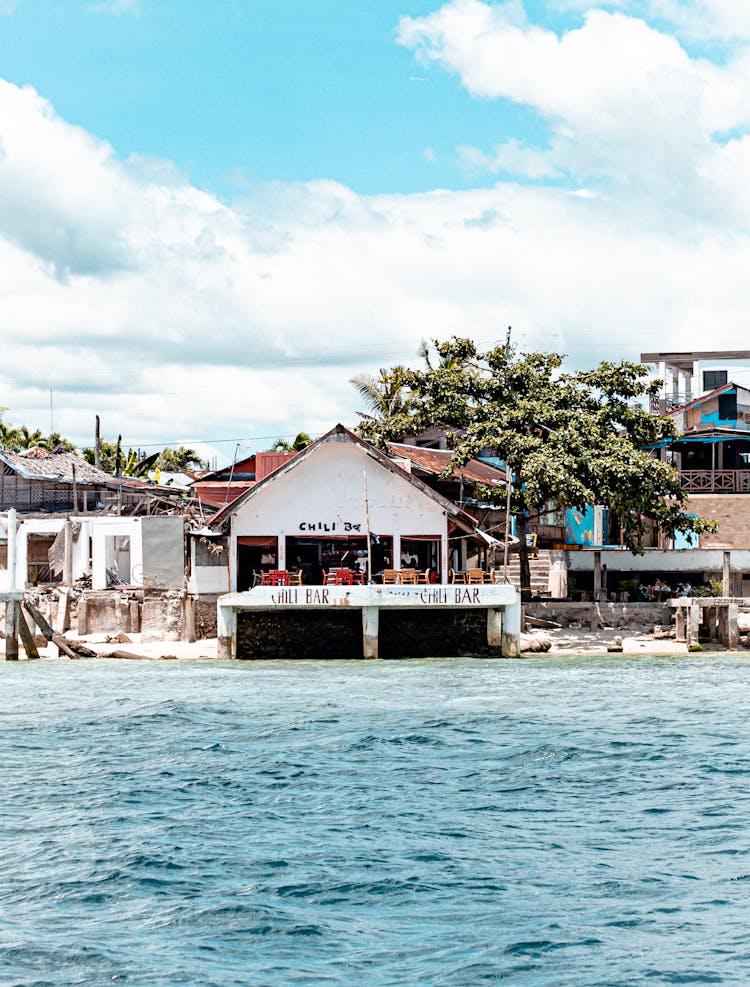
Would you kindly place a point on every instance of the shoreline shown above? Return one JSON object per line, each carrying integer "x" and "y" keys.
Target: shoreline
{"x": 565, "y": 643}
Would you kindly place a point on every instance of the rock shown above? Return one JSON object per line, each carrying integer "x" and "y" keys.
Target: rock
{"x": 743, "y": 622}
{"x": 535, "y": 643}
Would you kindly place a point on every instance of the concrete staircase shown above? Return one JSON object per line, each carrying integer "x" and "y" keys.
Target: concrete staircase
{"x": 539, "y": 572}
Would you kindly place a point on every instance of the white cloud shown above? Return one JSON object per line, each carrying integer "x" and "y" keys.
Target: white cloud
{"x": 625, "y": 104}
{"x": 694, "y": 20}
{"x": 175, "y": 316}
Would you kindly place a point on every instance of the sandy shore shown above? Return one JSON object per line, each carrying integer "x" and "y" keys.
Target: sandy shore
{"x": 568, "y": 642}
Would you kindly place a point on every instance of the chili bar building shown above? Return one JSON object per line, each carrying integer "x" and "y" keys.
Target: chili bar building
{"x": 316, "y": 512}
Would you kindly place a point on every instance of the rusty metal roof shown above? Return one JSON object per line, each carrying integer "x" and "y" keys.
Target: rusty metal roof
{"x": 434, "y": 461}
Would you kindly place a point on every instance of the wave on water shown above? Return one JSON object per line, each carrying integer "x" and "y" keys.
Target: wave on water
{"x": 476, "y": 822}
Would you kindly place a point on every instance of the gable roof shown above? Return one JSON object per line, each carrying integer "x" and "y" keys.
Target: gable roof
{"x": 341, "y": 434}
{"x": 721, "y": 389}
{"x": 434, "y": 461}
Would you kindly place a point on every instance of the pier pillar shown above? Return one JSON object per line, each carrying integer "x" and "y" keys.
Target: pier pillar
{"x": 370, "y": 627}
{"x": 733, "y": 631}
{"x": 11, "y": 630}
{"x": 694, "y": 622}
{"x": 511, "y": 630}
{"x": 679, "y": 621}
{"x": 226, "y": 630}
{"x": 495, "y": 628}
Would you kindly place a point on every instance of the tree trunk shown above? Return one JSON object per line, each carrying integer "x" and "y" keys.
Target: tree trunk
{"x": 523, "y": 556}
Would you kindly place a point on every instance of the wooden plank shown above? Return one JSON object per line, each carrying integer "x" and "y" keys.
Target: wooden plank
{"x": 62, "y": 623}
{"x": 40, "y": 621}
{"x": 29, "y": 644}
{"x": 52, "y": 636}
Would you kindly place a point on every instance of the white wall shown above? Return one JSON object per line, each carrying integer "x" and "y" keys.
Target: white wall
{"x": 101, "y": 529}
{"x": 327, "y": 489}
{"x": 45, "y": 526}
{"x": 654, "y": 560}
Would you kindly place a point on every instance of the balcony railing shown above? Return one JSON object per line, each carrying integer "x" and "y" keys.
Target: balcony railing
{"x": 662, "y": 404}
{"x": 716, "y": 481}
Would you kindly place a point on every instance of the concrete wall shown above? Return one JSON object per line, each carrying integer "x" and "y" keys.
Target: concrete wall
{"x": 657, "y": 560}
{"x": 163, "y": 552}
{"x": 635, "y": 616}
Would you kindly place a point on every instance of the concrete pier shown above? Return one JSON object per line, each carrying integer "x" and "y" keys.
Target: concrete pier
{"x": 395, "y": 621}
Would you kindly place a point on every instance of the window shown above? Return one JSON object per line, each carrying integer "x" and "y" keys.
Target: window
{"x": 714, "y": 378}
{"x": 727, "y": 407}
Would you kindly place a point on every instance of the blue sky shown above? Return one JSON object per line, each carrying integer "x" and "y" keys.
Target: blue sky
{"x": 214, "y": 213}
{"x": 283, "y": 90}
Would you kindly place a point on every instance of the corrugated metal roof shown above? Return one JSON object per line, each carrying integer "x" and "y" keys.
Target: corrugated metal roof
{"x": 436, "y": 460}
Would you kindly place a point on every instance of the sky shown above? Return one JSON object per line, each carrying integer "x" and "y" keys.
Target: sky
{"x": 214, "y": 212}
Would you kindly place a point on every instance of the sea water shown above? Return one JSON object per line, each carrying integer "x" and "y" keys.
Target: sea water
{"x": 540, "y": 822}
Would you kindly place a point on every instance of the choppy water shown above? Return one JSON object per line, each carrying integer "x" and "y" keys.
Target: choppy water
{"x": 544, "y": 822}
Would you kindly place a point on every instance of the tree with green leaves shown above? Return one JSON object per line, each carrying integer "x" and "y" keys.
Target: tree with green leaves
{"x": 18, "y": 438}
{"x": 384, "y": 394}
{"x": 301, "y": 441}
{"x": 180, "y": 460}
{"x": 569, "y": 439}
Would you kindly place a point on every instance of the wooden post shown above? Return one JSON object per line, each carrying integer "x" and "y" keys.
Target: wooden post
{"x": 733, "y": 632}
{"x": 726, "y": 574}
{"x": 29, "y": 644}
{"x": 597, "y": 575}
{"x": 75, "y": 491}
{"x": 68, "y": 553}
{"x": 11, "y": 630}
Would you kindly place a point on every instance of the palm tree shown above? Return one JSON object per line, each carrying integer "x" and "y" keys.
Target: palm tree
{"x": 384, "y": 393}
{"x": 27, "y": 439}
{"x": 301, "y": 441}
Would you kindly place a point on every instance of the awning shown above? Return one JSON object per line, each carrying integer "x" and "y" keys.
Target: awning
{"x": 258, "y": 541}
{"x": 712, "y": 439}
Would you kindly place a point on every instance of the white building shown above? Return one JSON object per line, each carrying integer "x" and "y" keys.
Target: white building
{"x": 318, "y": 509}
{"x": 130, "y": 551}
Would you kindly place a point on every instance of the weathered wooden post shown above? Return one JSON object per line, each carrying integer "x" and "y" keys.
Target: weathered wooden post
{"x": 726, "y": 574}
{"x": 597, "y": 575}
{"x": 68, "y": 553}
{"x": 733, "y": 631}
